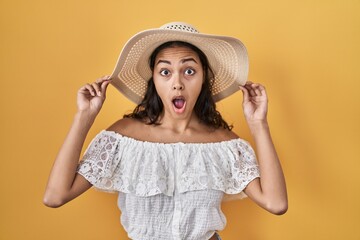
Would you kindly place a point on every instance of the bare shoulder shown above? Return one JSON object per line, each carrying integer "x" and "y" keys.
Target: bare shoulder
{"x": 139, "y": 130}
{"x": 209, "y": 134}
{"x": 225, "y": 134}
{"x": 126, "y": 126}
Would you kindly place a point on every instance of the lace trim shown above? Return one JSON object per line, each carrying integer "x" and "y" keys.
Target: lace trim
{"x": 114, "y": 162}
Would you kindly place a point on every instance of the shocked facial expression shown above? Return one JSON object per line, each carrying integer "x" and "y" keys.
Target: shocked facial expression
{"x": 178, "y": 77}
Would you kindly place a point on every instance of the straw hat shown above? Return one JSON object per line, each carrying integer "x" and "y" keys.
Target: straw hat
{"x": 227, "y": 57}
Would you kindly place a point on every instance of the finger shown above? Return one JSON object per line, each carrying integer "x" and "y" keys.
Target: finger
{"x": 83, "y": 89}
{"x": 251, "y": 90}
{"x": 100, "y": 82}
{"x": 97, "y": 88}
{"x": 104, "y": 86}
{"x": 103, "y": 78}
{"x": 89, "y": 88}
{"x": 261, "y": 87}
{"x": 263, "y": 90}
{"x": 247, "y": 86}
{"x": 245, "y": 93}
{"x": 256, "y": 89}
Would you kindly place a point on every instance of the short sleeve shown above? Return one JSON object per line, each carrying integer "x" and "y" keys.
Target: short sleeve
{"x": 114, "y": 163}
{"x": 247, "y": 169}
{"x": 99, "y": 162}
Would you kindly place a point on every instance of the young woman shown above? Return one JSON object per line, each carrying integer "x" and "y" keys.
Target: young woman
{"x": 174, "y": 159}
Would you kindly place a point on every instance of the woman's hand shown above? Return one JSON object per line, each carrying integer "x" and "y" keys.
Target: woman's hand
{"x": 64, "y": 182}
{"x": 91, "y": 97}
{"x": 268, "y": 191}
{"x": 255, "y": 102}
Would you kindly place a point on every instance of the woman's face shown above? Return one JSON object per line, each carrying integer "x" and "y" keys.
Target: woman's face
{"x": 178, "y": 77}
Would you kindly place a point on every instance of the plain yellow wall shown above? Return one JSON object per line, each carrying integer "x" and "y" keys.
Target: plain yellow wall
{"x": 305, "y": 52}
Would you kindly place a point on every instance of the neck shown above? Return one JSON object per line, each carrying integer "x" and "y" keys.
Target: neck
{"x": 179, "y": 125}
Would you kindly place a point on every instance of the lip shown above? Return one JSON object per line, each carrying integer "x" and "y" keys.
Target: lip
{"x": 178, "y": 97}
{"x": 178, "y": 110}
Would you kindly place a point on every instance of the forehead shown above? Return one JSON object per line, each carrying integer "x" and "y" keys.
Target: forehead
{"x": 177, "y": 52}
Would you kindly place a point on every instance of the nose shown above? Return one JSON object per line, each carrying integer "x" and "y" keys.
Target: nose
{"x": 177, "y": 83}
{"x": 178, "y": 87}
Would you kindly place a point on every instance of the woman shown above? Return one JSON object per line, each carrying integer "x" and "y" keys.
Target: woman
{"x": 174, "y": 159}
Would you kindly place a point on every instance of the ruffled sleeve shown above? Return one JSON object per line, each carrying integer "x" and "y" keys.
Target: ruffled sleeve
{"x": 227, "y": 166}
{"x": 99, "y": 161}
{"x": 245, "y": 169}
{"x": 115, "y": 163}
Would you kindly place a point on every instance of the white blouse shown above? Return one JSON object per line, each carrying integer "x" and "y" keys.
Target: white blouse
{"x": 169, "y": 190}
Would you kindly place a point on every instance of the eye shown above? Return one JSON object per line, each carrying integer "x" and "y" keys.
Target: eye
{"x": 164, "y": 72}
{"x": 189, "y": 71}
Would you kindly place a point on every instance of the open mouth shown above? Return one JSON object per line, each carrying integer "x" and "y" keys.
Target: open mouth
{"x": 179, "y": 104}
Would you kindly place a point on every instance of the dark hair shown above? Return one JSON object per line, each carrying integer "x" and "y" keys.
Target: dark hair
{"x": 151, "y": 106}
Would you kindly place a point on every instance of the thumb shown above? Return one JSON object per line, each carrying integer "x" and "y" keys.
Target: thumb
{"x": 104, "y": 86}
{"x": 245, "y": 93}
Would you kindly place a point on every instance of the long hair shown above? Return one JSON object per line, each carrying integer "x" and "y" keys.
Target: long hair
{"x": 151, "y": 107}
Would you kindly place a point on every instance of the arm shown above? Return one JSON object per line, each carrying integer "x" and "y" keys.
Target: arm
{"x": 270, "y": 190}
{"x": 64, "y": 183}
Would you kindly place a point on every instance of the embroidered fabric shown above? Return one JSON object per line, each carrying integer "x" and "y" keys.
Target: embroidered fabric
{"x": 169, "y": 190}
{"x": 117, "y": 163}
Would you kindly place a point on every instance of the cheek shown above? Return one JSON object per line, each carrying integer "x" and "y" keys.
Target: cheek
{"x": 199, "y": 84}
{"x": 160, "y": 88}
{"x": 199, "y": 90}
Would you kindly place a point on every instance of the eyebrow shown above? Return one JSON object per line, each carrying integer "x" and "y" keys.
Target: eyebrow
{"x": 163, "y": 61}
{"x": 182, "y": 61}
{"x": 188, "y": 60}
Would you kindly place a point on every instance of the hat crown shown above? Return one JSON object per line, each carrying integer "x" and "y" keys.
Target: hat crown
{"x": 180, "y": 26}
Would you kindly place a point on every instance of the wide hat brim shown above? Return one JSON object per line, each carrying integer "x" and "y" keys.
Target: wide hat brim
{"x": 227, "y": 57}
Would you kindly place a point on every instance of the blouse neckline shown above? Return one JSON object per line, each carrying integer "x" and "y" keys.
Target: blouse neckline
{"x": 119, "y": 135}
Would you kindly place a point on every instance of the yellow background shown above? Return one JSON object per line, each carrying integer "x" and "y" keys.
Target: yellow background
{"x": 305, "y": 52}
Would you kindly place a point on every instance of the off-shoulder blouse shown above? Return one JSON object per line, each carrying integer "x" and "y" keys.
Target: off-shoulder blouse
{"x": 169, "y": 190}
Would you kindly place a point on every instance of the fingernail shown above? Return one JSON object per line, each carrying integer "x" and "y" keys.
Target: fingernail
{"x": 99, "y": 93}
